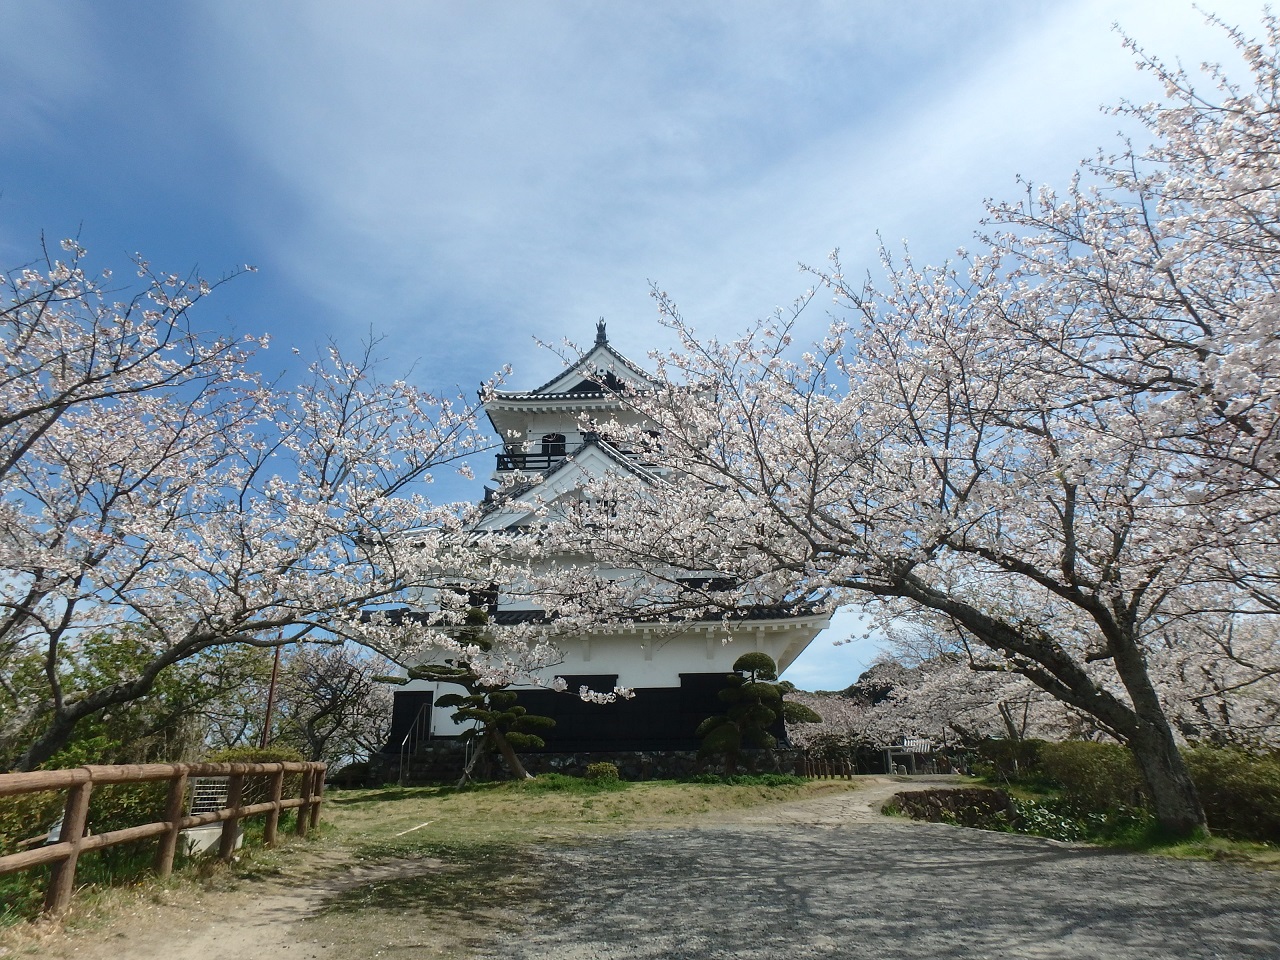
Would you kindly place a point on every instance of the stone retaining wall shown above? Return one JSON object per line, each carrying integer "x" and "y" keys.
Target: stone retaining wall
{"x": 442, "y": 762}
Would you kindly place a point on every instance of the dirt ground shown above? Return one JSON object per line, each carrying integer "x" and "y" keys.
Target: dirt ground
{"x": 825, "y": 877}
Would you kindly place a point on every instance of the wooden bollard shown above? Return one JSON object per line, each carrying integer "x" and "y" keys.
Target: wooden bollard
{"x": 317, "y": 796}
{"x": 304, "y": 811}
{"x": 273, "y": 818}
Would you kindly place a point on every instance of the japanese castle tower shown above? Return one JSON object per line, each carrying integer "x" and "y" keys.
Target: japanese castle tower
{"x": 675, "y": 672}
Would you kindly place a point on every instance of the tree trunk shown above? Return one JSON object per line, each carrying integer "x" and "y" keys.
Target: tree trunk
{"x": 471, "y": 764}
{"x": 53, "y": 738}
{"x": 509, "y": 755}
{"x": 1150, "y": 739}
{"x": 1173, "y": 795}
{"x": 1140, "y": 724}
{"x": 1010, "y": 728}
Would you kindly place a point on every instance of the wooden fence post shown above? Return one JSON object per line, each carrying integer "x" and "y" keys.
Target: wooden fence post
{"x": 304, "y": 811}
{"x": 273, "y": 818}
{"x": 317, "y": 796}
{"x": 230, "y": 826}
{"x": 173, "y": 814}
{"x": 62, "y": 880}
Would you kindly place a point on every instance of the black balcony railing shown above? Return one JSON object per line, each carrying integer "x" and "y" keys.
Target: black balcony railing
{"x": 528, "y": 461}
{"x": 545, "y": 461}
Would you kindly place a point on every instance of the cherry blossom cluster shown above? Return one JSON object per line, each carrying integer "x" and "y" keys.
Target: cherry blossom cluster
{"x": 150, "y": 481}
{"x": 1059, "y": 449}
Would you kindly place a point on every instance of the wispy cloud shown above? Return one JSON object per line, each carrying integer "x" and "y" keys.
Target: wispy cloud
{"x": 540, "y": 163}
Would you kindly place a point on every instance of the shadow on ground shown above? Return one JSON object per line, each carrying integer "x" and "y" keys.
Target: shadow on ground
{"x": 890, "y": 892}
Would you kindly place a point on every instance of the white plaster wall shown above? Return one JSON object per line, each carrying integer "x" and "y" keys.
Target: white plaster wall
{"x": 532, "y": 427}
{"x": 646, "y": 658}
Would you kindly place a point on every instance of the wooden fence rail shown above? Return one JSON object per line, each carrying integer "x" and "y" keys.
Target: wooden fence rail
{"x": 79, "y": 783}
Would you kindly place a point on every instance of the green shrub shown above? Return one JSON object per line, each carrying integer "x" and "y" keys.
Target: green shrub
{"x": 1057, "y": 818}
{"x": 1008, "y": 759}
{"x": 1060, "y": 818}
{"x": 602, "y": 772}
{"x": 255, "y": 755}
{"x": 561, "y": 783}
{"x": 1240, "y": 792}
{"x": 1095, "y": 777}
{"x": 28, "y": 815}
{"x": 24, "y": 817}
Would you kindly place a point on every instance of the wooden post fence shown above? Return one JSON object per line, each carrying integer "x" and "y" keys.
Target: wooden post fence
{"x": 73, "y": 839}
{"x": 827, "y": 769}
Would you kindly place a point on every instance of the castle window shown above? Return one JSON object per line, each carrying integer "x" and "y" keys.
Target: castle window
{"x": 553, "y": 445}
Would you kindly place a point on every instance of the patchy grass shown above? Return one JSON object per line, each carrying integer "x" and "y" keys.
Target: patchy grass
{"x": 1217, "y": 848}
{"x": 401, "y": 821}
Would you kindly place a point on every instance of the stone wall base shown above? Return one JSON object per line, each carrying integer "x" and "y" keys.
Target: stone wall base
{"x": 442, "y": 762}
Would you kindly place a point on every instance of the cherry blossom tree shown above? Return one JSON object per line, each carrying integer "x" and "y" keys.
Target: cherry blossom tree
{"x": 1222, "y": 682}
{"x": 846, "y": 724}
{"x": 1060, "y": 448}
{"x": 150, "y": 482}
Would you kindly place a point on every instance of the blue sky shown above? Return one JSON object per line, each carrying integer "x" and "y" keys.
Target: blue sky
{"x": 463, "y": 179}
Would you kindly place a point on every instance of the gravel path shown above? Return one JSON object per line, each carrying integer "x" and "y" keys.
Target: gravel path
{"x": 859, "y": 885}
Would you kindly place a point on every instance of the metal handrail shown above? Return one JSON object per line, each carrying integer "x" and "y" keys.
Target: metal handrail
{"x": 409, "y": 745}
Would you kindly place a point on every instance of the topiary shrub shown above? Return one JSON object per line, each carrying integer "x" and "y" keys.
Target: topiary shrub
{"x": 753, "y": 700}
{"x": 1240, "y": 792}
{"x": 255, "y": 755}
{"x": 603, "y": 772}
{"x": 1096, "y": 777}
{"x": 498, "y": 724}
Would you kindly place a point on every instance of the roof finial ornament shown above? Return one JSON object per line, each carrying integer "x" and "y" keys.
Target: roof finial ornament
{"x": 600, "y": 337}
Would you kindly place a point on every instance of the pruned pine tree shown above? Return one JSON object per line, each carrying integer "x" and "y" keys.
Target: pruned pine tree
{"x": 499, "y": 724}
{"x": 754, "y": 703}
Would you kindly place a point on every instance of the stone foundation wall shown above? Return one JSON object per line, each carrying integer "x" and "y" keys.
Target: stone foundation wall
{"x": 442, "y": 762}
{"x": 661, "y": 764}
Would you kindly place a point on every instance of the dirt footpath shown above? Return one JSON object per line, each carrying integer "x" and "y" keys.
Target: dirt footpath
{"x": 827, "y": 877}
